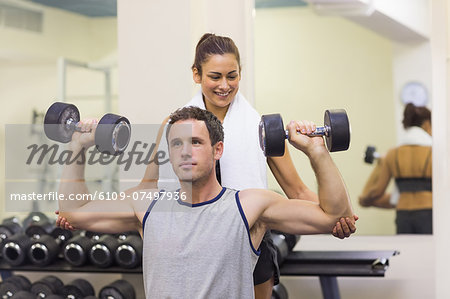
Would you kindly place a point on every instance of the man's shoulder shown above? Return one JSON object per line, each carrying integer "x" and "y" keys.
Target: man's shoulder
{"x": 259, "y": 195}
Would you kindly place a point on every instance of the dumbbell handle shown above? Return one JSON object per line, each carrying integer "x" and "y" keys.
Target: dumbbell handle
{"x": 320, "y": 131}
{"x": 72, "y": 125}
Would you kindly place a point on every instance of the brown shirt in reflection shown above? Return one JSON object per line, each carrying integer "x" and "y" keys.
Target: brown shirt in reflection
{"x": 408, "y": 163}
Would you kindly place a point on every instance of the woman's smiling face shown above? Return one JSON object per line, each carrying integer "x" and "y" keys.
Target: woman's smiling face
{"x": 219, "y": 80}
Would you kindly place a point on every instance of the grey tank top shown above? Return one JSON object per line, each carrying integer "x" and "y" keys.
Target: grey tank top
{"x": 198, "y": 251}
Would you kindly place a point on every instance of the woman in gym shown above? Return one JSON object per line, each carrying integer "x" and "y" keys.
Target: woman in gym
{"x": 410, "y": 165}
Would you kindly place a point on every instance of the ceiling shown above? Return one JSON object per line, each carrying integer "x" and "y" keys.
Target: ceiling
{"x": 278, "y": 3}
{"x": 89, "y": 8}
{"x": 108, "y": 8}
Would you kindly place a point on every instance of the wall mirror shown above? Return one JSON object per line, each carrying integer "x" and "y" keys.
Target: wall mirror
{"x": 308, "y": 60}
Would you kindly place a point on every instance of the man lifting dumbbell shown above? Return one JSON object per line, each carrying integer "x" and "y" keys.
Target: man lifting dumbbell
{"x": 112, "y": 135}
{"x": 227, "y": 249}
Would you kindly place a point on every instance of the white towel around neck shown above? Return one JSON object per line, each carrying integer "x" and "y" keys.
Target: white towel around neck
{"x": 415, "y": 136}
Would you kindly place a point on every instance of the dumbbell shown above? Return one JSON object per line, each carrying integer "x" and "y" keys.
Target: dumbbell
{"x": 33, "y": 217}
{"x": 11, "y": 226}
{"x": 101, "y": 254}
{"x": 290, "y": 239}
{"x": 119, "y": 289}
{"x": 124, "y": 248}
{"x": 75, "y": 251}
{"x": 101, "y": 251}
{"x": 77, "y": 289}
{"x": 39, "y": 228}
{"x": 56, "y": 296}
{"x": 13, "y": 285}
{"x": 279, "y": 292}
{"x": 371, "y": 154}
{"x": 23, "y": 295}
{"x": 46, "y": 286}
{"x": 336, "y": 130}
{"x": 45, "y": 249}
{"x": 129, "y": 252}
{"x": 284, "y": 243}
{"x": 112, "y": 134}
{"x": 8, "y": 228}
{"x": 15, "y": 248}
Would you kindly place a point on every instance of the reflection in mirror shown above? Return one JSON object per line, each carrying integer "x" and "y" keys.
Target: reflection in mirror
{"x": 409, "y": 164}
{"x": 49, "y": 54}
{"x": 306, "y": 63}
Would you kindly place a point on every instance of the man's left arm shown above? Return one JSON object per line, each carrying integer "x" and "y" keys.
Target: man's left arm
{"x": 332, "y": 192}
{"x": 268, "y": 210}
{"x": 287, "y": 177}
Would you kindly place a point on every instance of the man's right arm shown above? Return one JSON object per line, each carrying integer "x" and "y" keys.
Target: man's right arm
{"x": 96, "y": 215}
{"x": 72, "y": 178}
{"x": 72, "y": 182}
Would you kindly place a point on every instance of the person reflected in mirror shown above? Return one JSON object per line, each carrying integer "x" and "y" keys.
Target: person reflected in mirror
{"x": 410, "y": 165}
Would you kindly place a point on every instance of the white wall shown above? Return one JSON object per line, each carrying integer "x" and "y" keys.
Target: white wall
{"x": 154, "y": 59}
{"x": 441, "y": 143}
{"x": 157, "y": 45}
{"x": 411, "y": 62}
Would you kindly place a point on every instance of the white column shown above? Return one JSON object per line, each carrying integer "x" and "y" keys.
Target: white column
{"x": 154, "y": 55}
{"x": 156, "y": 50}
{"x": 441, "y": 145}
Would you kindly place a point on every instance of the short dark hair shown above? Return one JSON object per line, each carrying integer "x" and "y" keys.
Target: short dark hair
{"x": 415, "y": 115}
{"x": 213, "y": 124}
{"x": 211, "y": 44}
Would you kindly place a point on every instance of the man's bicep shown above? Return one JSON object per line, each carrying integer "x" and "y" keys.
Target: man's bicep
{"x": 102, "y": 216}
{"x": 297, "y": 217}
{"x": 113, "y": 225}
